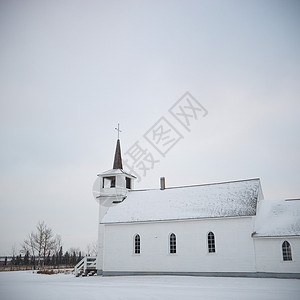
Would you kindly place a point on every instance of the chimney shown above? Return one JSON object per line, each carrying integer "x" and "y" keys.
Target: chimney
{"x": 162, "y": 183}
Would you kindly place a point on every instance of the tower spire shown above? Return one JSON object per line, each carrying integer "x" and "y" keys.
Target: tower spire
{"x": 118, "y": 156}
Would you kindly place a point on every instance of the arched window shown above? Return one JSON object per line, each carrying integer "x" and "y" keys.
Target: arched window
{"x": 211, "y": 242}
{"x": 172, "y": 243}
{"x": 137, "y": 244}
{"x": 286, "y": 251}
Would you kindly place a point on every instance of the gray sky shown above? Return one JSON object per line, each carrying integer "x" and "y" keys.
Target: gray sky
{"x": 71, "y": 70}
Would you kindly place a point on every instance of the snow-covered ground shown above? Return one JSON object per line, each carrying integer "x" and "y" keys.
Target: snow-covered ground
{"x": 28, "y": 285}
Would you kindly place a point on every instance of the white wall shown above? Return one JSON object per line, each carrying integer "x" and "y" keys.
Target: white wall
{"x": 269, "y": 255}
{"x": 234, "y": 246}
{"x": 104, "y": 204}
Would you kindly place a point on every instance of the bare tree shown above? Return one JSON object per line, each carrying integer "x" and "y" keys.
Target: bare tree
{"x": 91, "y": 249}
{"x": 28, "y": 245}
{"x": 41, "y": 242}
{"x": 57, "y": 244}
{"x": 48, "y": 241}
{"x": 39, "y": 239}
{"x": 74, "y": 250}
{"x": 13, "y": 250}
{"x": 13, "y": 254}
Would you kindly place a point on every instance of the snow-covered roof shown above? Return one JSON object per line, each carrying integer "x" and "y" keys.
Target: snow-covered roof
{"x": 228, "y": 199}
{"x": 113, "y": 172}
{"x": 277, "y": 218}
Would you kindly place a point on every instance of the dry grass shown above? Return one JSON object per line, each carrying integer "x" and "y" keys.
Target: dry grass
{"x": 54, "y": 271}
{"x": 43, "y": 270}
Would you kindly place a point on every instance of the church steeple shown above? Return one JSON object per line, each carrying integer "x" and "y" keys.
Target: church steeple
{"x": 115, "y": 182}
{"x": 118, "y": 157}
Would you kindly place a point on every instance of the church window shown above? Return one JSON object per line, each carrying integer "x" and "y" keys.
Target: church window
{"x": 286, "y": 251}
{"x": 172, "y": 243}
{"x": 128, "y": 183}
{"x": 137, "y": 244}
{"x": 109, "y": 182}
{"x": 211, "y": 242}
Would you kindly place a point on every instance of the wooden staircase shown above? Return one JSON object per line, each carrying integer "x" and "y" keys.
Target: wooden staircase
{"x": 86, "y": 267}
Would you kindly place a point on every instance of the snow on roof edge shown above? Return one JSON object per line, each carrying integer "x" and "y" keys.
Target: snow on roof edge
{"x": 181, "y": 219}
{"x": 195, "y": 185}
{"x": 255, "y": 235}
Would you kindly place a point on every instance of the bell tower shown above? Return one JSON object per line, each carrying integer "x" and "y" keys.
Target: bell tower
{"x": 110, "y": 189}
{"x": 116, "y": 182}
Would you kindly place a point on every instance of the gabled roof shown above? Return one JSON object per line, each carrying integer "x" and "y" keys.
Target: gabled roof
{"x": 228, "y": 199}
{"x": 278, "y": 218}
{"x": 118, "y": 158}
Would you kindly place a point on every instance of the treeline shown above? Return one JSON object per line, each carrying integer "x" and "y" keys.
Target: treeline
{"x": 57, "y": 259}
{"x": 42, "y": 248}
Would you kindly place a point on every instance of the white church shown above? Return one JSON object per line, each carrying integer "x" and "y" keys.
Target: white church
{"x": 217, "y": 229}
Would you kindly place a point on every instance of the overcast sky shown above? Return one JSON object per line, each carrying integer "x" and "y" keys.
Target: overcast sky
{"x": 71, "y": 70}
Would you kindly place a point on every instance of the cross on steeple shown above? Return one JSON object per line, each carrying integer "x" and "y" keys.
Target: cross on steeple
{"x": 118, "y": 129}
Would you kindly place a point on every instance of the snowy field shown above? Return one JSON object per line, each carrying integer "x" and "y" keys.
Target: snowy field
{"x": 25, "y": 285}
